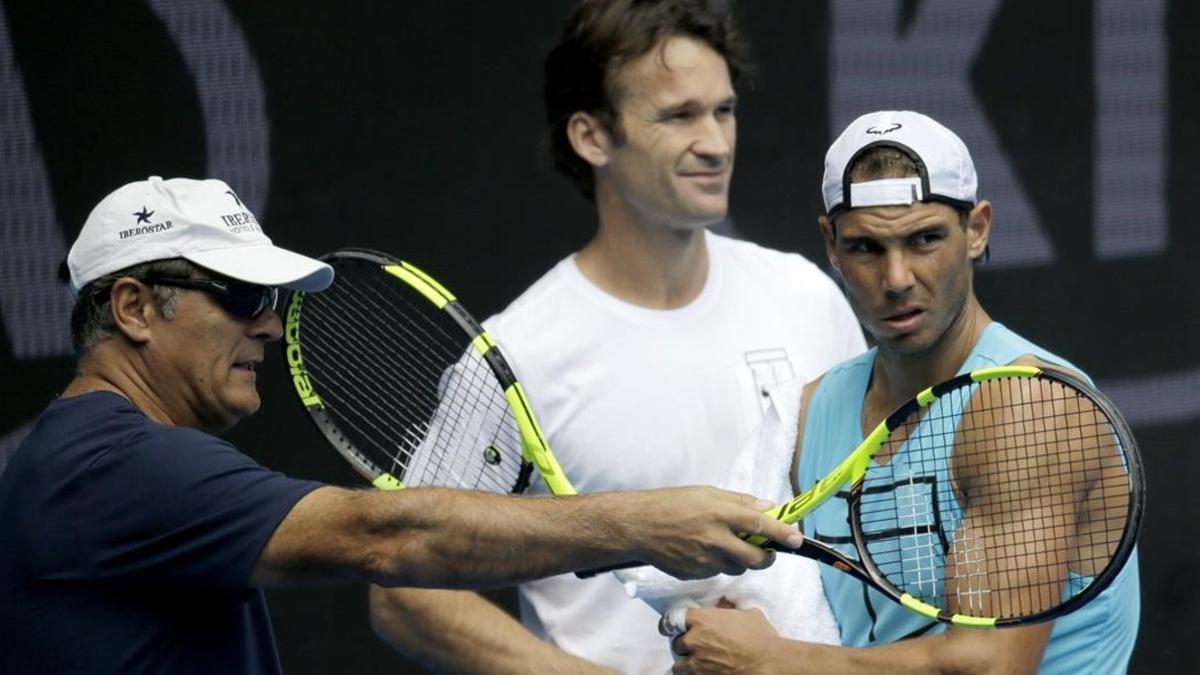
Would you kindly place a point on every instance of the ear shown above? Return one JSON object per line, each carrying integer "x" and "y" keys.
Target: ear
{"x": 133, "y": 308}
{"x": 589, "y": 138}
{"x": 979, "y": 228}
{"x": 829, "y": 234}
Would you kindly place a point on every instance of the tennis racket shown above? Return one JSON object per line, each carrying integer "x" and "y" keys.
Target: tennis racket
{"x": 1002, "y": 497}
{"x": 407, "y": 385}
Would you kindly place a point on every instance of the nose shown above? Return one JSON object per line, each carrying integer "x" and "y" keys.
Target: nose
{"x": 897, "y": 275}
{"x": 715, "y": 141}
{"x": 267, "y": 326}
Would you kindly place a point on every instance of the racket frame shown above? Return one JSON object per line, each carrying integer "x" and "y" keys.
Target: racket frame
{"x": 534, "y": 449}
{"x": 853, "y": 468}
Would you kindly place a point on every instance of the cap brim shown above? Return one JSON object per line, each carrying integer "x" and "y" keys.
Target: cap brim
{"x": 267, "y": 265}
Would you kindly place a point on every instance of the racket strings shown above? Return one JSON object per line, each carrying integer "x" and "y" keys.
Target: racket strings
{"x": 341, "y": 391}
{"x": 468, "y": 387}
{"x": 1001, "y": 499}
{"x": 416, "y": 404}
{"x": 459, "y": 388}
{"x": 358, "y": 358}
{"x": 403, "y": 380}
{"x": 385, "y": 414}
{"x": 336, "y": 359}
{"x": 457, "y": 395}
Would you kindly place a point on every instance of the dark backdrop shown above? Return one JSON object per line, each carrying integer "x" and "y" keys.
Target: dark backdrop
{"x": 415, "y": 128}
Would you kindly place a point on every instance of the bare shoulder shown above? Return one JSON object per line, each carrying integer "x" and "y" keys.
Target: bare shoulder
{"x": 1045, "y": 390}
{"x": 805, "y": 397}
{"x": 1031, "y": 360}
{"x": 1032, "y": 424}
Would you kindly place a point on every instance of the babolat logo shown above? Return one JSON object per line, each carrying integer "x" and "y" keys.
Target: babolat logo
{"x": 138, "y": 229}
{"x": 241, "y": 222}
{"x": 295, "y": 360}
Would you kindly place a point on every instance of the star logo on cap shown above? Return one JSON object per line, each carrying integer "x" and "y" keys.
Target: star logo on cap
{"x": 143, "y": 216}
{"x": 881, "y": 130}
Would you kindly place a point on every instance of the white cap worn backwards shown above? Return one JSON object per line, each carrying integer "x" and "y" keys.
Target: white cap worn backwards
{"x": 199, "y": 220}
{"x": 947, "y": 173}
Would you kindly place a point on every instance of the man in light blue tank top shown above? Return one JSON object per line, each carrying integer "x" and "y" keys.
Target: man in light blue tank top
{"x": 904, "y": 229}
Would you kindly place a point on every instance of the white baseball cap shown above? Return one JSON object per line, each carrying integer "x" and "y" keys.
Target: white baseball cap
{"x": 202, "y": 221}
{"x": 947, "y": 173}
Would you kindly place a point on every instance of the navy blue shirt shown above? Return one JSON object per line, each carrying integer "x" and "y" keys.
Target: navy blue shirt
{"x": 127, "y": 546}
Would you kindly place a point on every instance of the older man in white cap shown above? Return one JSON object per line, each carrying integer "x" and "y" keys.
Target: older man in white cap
{"x": 904, "y": 228}
{"x": 134, "y": 540}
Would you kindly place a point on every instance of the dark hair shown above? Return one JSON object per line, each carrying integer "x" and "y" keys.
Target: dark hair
{"x": 882, "y": 161}
{"x": 886, "y": 161}
{"x": 600, "y": 37}
{"x": 91, "y": 318}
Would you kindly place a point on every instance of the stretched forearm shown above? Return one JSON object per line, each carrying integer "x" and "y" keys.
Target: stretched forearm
{"x": 461, "y": 632}
{"x": 432, "y": 537}
{"x": 452, "y": 539}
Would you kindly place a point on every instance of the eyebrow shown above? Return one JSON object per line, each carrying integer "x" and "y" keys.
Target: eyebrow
{"x": 874, "y": 238}
{"x": 693, "y": 104}
{"x": 927, "y": 228}
{"x": 860, "y": 239}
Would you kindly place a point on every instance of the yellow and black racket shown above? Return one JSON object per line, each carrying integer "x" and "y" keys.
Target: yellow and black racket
{"x": 407, "y": 385}
{"x": 1001, "y": 497}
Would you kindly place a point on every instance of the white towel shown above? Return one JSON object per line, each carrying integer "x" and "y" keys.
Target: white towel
{"x": 789, "y": 592}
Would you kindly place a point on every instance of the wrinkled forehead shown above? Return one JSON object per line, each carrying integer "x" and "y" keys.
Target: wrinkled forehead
{"x": 893, "y": 221}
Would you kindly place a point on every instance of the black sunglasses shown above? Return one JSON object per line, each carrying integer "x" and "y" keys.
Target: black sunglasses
{"x": 242, "y": 300}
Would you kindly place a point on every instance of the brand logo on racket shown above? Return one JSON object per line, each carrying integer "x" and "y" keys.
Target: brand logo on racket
{"x": 291, "y": 336}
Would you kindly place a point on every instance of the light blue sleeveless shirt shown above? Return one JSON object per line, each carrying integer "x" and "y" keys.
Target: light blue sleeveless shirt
{"x": 1097, "y": 638}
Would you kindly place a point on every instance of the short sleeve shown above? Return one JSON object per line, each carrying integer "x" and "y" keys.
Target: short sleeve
{"x": 167, "y": 505}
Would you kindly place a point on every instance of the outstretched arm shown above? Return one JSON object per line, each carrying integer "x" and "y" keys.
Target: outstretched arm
{"x": 461, "y": 632}
{"x": 433, "y": 537}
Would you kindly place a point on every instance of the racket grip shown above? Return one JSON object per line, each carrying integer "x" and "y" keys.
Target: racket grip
{"x": 588, "y": 574}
